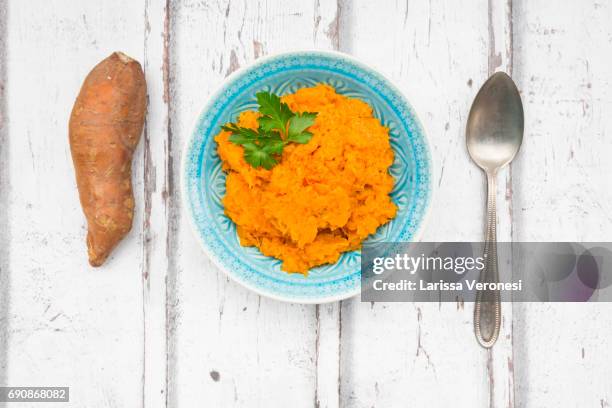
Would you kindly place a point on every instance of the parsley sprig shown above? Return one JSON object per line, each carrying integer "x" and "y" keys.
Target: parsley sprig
{"x": 278, "y": 126}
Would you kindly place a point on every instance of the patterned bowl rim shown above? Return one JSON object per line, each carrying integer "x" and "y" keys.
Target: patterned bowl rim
{"x": 216, "y": 93}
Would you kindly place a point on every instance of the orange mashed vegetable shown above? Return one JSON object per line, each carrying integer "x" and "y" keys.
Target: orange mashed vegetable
{"x": 324, "y": 197}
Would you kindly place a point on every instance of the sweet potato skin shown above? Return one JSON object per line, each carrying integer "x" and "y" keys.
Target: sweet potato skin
{"x": 104, "y": 129}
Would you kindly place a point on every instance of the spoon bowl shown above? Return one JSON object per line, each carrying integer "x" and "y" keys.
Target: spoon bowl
{"x": 495, "y": 124}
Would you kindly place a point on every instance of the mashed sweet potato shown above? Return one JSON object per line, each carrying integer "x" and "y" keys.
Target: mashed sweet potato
{"x": 324, "y": 197}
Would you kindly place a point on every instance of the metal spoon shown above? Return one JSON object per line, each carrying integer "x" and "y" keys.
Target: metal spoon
{"x": 494, "y": 135}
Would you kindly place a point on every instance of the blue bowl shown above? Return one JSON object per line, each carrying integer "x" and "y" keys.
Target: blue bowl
{"x": 203, "y": 180}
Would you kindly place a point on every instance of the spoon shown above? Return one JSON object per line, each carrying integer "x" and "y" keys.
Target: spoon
{"x": 494, "y": 135}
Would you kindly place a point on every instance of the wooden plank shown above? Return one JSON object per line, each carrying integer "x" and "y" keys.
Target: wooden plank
{"x": 68, "y": 324}
{"x": 157, "y": 214}
{"x": 411, "y": 352}
{"x": 561, "y": 184}
{"x": 327, "y": 355}
{"x": 4, "y": 196}
{"x": 228, "y": 346}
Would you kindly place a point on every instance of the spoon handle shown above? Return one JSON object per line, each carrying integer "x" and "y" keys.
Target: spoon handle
{"x": 487, "y": 309}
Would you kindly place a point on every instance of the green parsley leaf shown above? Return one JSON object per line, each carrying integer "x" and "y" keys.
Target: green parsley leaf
{"x": 301, "y": 138}
{"x": 278, "y": 126}
{"x": 274, "y": 146}
{"x": 240, "y": 135}
{"x": 257, "y": 156}
{"x": 297, "y": 127}
{"x": 275, "y": 113}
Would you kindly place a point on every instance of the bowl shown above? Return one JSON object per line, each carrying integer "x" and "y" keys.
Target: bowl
{"x": 203, "y": 180}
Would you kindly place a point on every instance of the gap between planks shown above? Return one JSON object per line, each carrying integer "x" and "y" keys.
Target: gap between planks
{"x": 324, "y": 396}
{"x": 4, "y": 197}
{"x": 159, "y": 219}
{"x": 500, "y": 358}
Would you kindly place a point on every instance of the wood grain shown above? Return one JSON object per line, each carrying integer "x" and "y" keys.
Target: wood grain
{"x": 562, "y": 192}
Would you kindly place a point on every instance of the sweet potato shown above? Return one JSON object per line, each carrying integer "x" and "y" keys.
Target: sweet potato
{"x": 104, "y": 130}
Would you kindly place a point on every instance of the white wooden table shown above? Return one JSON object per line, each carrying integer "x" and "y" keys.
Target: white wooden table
{"x": 159, "y": 325}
